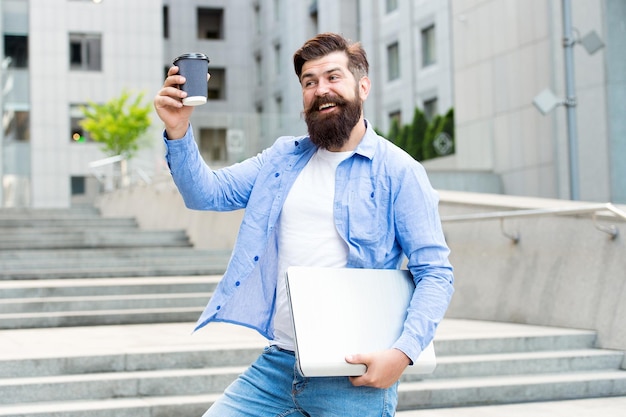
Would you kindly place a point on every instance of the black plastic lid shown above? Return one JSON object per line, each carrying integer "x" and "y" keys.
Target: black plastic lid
{"x": 192, "y": 55}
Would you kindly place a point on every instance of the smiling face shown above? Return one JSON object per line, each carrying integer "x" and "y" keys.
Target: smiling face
{"x": 333, "y": 101}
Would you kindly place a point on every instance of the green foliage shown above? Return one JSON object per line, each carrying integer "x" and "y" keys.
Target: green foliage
{"x": 118, "y": 124}
{"x": 394, "y": 132}
{"x": 418, "y": 138}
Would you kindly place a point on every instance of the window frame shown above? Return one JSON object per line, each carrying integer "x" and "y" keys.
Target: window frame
{"x": 393, "y": 61}
{"x": 204, "y": 17}
{"x": 428, "y": 39}
{"x": 17, "y": 53}
{"x": 90, "y": 58}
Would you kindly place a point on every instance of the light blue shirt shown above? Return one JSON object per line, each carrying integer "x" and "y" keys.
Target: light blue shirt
{"x": 384, "y": 209}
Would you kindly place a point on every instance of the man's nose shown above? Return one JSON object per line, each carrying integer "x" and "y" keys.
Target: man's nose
{"x": 322, "y": 88}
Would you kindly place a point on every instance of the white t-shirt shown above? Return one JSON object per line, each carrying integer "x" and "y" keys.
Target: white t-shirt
{"x": 307, "y": 232}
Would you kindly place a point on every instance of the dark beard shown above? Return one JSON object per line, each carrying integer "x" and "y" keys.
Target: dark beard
{"x": 332, "y": 131}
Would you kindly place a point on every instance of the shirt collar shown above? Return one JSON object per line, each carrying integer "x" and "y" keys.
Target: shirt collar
{"x": 366, "y": 148}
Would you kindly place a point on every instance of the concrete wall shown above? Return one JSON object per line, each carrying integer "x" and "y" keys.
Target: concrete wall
{"x": 563, "y": 272}
{"x": 160, "y": 206}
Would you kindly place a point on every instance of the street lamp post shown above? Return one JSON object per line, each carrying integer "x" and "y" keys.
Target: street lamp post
{"x": 570, "y": 99}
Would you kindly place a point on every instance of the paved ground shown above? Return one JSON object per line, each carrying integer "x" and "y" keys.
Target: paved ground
{"x": 54, "y": 342}
{"x": 600, "y": 407}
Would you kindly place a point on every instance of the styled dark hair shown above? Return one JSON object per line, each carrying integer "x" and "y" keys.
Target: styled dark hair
{"x": 326, "y": 43}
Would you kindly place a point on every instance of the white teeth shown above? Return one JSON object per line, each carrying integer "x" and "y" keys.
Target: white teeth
{"x": 327, "y": 105}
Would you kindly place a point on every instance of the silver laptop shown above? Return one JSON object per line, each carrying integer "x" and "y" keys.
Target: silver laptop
{"x": 342, "y": 311}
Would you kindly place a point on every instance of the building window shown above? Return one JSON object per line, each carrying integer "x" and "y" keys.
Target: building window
{"x": 430, "y": 108}
{"x": 277, "y": 60}
{"x": 257, "y": 18}
{"x": 16, "y": 125}
{"x": 395, "y": 117}
{"x": 217, "y": 84}
{"x": 429, "y": 50}
{"x": 166, "y": 22}
{"x": 213, "y": 145}
{"x": 258, "y": 63}
{"x": 277, "y": 9}
{"x": 77, "y": 185}
{"x": 77, "y": 133}
{"x": 263, "y": 127}
{"x": 85, "y": 52}
{"x": 393, "y": 61}
{"x": 391, "y": 5}
{"x": 16, "y": 48}
{"x": 210, "y": 23}
{"x": 279, "y": 112}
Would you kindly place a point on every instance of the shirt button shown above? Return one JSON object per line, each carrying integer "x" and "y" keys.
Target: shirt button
{"x": 277, "y": 174}
{"x": 256, "y": 258}
{"x": 237, "y": 283}
{"x": 218, "y": 307}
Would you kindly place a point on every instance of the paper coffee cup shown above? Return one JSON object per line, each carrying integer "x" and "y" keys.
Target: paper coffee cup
{"x": 194, "y": 67}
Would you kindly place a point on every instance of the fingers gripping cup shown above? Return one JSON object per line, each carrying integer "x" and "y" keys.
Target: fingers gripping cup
{"x": 194, "y": 67}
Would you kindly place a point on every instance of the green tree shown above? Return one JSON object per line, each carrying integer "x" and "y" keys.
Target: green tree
{"x": 433, "y": 129}
{"x": 418, "y": 138}
{"x": 118, "y": 124}
{"x": 394, "y": 132}
{"x": 415, "y": 145}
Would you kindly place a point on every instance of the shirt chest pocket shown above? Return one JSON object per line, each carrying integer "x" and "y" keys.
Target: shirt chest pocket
{"x": 368, "y": 220}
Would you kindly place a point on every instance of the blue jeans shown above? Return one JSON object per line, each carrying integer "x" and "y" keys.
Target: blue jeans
{"x": 273, "y": 387}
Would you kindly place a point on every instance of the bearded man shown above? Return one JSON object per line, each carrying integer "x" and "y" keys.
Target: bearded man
{"x": 341, "y": 196}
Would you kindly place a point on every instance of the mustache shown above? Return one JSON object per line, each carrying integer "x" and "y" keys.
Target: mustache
{"x": 326, "y": 99}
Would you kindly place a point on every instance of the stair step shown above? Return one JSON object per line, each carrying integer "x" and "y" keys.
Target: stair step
{"x": 577, "y": 407}
{"x": 86, "y": 210}
{"x": 191, "y": 357}
{"x": 22, "y": 232}
{"x": 94, "y": 233}
{"x": 61, "y": 264}
{"x": 70, "y": 221}
{"x": 412, "y": 396}
{"x": 114, "y": 271}
{"x": 165, "y": 406}
{"x": 101, "y": 302}
{"x": 183, "y": 255}
{"x": 90, "y": 253}
{"x": 118, "y": 385}
{"x": 510, "y": 389}
{"x": 576, "y": 339}
{"x": 90, "y": 239}
{"x": 521, "y": 363}
{"x": 106, "y": 286}
{"x": 99, "y": 317}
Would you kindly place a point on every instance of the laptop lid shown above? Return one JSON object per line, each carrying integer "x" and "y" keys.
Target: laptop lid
{"x": 342, "y": 311}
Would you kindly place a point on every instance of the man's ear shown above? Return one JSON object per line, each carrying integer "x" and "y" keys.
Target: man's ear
{"x": 364, "y": 87}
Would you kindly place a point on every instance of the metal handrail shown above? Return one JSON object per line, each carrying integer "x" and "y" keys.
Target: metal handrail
{"x": 612, "y": 230}
{"x": 100, "y": 163}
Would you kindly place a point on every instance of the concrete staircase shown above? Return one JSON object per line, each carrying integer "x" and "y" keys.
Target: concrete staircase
{"x": 119, "y": 273}
{"x": 79, "y": 243}
{"x": 160, "y": 370}
{"x": 103, "y": 301}
{"x": 109, "y": 344}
